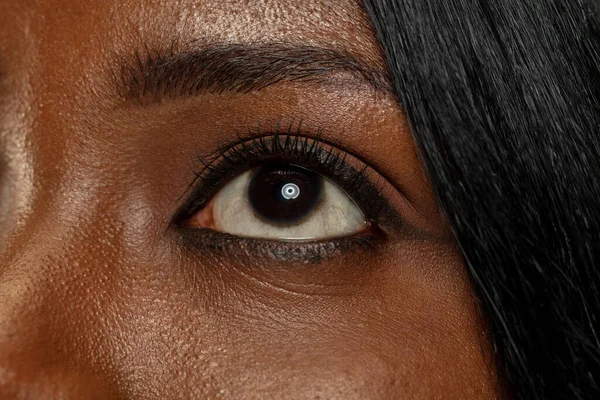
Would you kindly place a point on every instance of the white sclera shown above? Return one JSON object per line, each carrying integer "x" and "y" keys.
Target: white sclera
{"x": 336, "y": 216}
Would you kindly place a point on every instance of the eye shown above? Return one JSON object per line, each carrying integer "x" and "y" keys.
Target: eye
{"x": 287, "y": 196}
{"x": 284, "y": 202}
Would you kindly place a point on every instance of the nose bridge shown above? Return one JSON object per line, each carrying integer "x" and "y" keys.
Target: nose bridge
{"x": 66, "y": 244}
{"x": 56, "y": 280}
{"x": 62, "y": 264}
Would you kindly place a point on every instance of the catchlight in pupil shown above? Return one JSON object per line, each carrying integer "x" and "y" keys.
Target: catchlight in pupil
{"x": 284, "y": 194}
{"x": 290, "y": 191}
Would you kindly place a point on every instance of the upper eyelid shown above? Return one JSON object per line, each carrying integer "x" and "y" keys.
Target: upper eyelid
{"x": 291, "y": 131}
{"x": 259, "y": 137}
{"x": 265, "y": 142}
{"x": 259, "y": 141}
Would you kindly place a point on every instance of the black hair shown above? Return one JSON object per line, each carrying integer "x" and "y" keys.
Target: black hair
{"x": 503, "y": 97}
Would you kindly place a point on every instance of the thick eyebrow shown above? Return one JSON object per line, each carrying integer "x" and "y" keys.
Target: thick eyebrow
{"x": 237, "y": 68}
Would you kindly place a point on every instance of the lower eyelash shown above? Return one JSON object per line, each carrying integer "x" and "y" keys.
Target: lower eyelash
{"x": 206, "y": 240}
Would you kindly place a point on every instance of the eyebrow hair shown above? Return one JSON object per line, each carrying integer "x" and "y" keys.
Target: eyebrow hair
{"x": 236, "y": 68}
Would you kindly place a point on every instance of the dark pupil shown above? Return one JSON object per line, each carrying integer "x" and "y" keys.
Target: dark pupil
{"x": 284, "y": 194}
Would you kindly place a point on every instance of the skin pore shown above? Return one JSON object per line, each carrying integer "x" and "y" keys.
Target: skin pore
{"x": 105, "y": 294}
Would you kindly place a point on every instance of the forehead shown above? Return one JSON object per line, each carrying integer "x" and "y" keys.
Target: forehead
{"x": 64, "y": 53}
{"x": 60, "y": 26}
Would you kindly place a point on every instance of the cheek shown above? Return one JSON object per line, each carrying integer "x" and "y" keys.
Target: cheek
{"x": 402, "y": 324}
{"x": 407, "y": 328}
{"x": 411, "y": 330}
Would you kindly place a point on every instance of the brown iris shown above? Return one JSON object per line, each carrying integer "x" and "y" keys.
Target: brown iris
{"x": 283, "y": 193}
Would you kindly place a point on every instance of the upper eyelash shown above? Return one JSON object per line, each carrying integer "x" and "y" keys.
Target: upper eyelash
{"x": 295, "y": 144}
{"x": 257, "y": 140}
{"x": 289, "y": 145}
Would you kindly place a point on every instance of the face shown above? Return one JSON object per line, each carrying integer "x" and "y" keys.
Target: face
{"x": 219, "y": 199}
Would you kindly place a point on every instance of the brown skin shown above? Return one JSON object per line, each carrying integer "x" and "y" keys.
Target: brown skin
{"x": 99, "y": 298}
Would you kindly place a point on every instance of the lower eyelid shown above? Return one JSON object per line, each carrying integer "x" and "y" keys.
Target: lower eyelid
{"x": 265, "y": 250}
